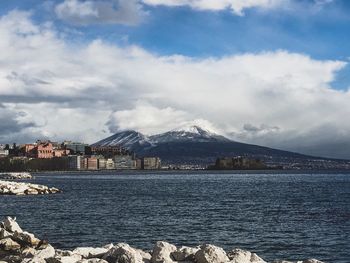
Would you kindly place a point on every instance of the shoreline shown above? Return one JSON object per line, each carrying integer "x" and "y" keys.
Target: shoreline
{"x": 19, "y": 246}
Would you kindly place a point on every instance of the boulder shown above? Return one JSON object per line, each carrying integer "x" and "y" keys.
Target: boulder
{"x": 92, "y": 260}
{"x": 4, "y": 233}
{"x": 312, "y": 261}
{"x": 162, "y": 252}
{"x": 26, "y": 239}
{"x": 123, "y": 253}
{"x": 211, "y": 254}
{"x": 63, "y": 253}
{"x": 47, "y": 252}
{"x": 90, "y": 252}
{"x": 33, "y": 260}
{"x": 184, "y": 254}
{"x": 11, "y": 225}
{"x": 28, "y": 252}
{"x": 8, "y": 244}
{"x": 65, "y": 259}
{"x": 244, "y": 256}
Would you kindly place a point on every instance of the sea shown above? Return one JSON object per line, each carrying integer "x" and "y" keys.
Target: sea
{"x": 278, "y": 215}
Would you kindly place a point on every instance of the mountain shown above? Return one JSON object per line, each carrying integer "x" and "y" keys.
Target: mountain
{"x": 195, "y": 145}
{"x": 189, "y": 134}
{"x": 131, "y": 140}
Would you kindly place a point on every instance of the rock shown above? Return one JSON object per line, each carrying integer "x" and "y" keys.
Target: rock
{"x": 92, "y": 260}
{"x": 4, "y": 233}
{"x": 65, "y": 259}
{"x": 8, "y": 244}
{"x": 162, "y": 252}
{"x": 28, "y": 252}
{"x": 123, "y": 253}
{"x": 244, "y": 256}
{"x": 63, "y": 253}
{"x": 48, "y": 252}
{"x": 11, "y": 225}
{"x": 90, "y": 252}
{"x": 211, "y": 254}
{"x": 184, "y": 254}
{"x": 146, "y": 257}
{"x": 17, "y": 188}
{"x": 312, "y": 261}
{"x": 26, "y": 239}
{"x": 33, "y": 260}
{"x": 11, "y": 176}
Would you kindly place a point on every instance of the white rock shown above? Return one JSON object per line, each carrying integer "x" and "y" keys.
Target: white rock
{"x": 8, "y": 244}
{"x": 184, "y": 254}
{"x": 4, "y": 233}
{"x": 65, "y": 259}
{"x": 48, "y": 252}
{"x": 211, "y": 254}
{"x": 162, "y": 252}
{"x": 33, "y": 260}
{"x": 92, "y": 260}
{"x": 244, "y": 256}
{"x": 312, "y": 261}
{"x": 90, "y": 252}
{"x": 123, "y": 253}
{"x": 11, "y": 225}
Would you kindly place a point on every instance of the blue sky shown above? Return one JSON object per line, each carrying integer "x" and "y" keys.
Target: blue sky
{"x": 270, "y": 72}
{"x": 321, "y": 32}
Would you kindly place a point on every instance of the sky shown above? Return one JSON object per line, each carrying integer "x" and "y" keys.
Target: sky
{"x": 268, "y": 72}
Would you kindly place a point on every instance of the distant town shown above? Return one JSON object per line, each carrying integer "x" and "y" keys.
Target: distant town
{"x": 68, "y": 155}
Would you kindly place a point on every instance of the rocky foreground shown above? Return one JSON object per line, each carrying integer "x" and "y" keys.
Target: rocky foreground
{"x": 18, "y": 246}
{"x": 16, "y": 188}
{"x": 14, "y": 176}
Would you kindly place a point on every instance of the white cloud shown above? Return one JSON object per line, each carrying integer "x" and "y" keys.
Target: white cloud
{"x": 127, "y": 12}
{"x": 236, "y": 6}
{"x": 81, "y": 91}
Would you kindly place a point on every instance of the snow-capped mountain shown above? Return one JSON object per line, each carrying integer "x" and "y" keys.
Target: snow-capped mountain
{"x": 192, "y": 145}
{"x": 190, "y": 134}
{"x": 131, "y": 140}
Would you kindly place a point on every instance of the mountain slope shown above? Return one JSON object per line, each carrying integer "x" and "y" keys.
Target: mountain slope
{"x": 194, "y": 145}
{"x": 131, "y": 140}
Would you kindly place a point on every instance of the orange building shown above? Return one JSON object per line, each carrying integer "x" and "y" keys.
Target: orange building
{"x": 44, "y": 150}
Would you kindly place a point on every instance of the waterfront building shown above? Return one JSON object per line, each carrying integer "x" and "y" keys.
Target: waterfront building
{"x": 102, "y": 164}
{"x": 75, "y": 162}
{"x": 92, "y": 163}
{"x": 124, "y": 162}
{"x": 151, "y": 163}
{"x": 110, "y": 164}
{"x": 77, "y": 147}
{"x": 4, "y": 150}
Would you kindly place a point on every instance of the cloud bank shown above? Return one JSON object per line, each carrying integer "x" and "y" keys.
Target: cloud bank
{"x": 126, "y": 12}
{"x": 86, "y": 91}
{"x": 236, "y": 6}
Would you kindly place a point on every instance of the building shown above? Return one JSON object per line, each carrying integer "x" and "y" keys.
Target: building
{"x": 124, "y": 162}
{"x": 110, "y": 164}
{"x": 238, "y": 163}
{"x": 109, "y": 151}
{"x": 44, "y": 150}
{"x": 4, "y": 150}
{"x": 151, "y": 163}
{"x": 92, "y": 163}
{"x": 74, "y": 162}
{"x": 77, "y": 147}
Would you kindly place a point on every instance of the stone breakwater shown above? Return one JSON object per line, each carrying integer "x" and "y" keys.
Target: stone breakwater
{"x": 16, "y": 188}
{"x": 14, "y": 176}
{"x": 18, "y": 246}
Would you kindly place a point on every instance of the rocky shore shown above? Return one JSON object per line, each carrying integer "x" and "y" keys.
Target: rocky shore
{"x": 18, "y": 246}
{"x": 17, "y": 188}
{"x": 14, "y": 176}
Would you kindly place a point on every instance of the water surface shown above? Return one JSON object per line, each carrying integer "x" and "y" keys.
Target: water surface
{"x": 278, "y": 216}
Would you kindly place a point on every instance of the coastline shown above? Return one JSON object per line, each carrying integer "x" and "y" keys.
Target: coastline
{"x": 19, "y": 246}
